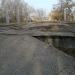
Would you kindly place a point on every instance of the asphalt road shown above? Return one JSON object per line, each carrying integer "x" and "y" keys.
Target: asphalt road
{"x": 26, "y": 55}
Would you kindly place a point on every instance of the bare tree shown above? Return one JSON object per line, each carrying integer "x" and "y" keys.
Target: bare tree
{"x": 15, "y": 10}
{"x": 27, "y": 10}
{"x": 22, "y": 10}
{"x": 66, "y": 9}
{"x": 40, "y": 14}
{"x": 6, "y": 9}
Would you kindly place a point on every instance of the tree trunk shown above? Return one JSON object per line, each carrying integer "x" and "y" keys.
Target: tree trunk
{"x": 18, "y": 16}
{"x": 7, "y": 17}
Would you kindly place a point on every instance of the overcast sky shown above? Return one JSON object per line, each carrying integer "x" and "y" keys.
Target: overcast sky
{"x": 45, "y": 4}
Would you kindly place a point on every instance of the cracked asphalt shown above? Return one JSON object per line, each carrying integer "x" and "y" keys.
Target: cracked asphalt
{"x": 26, "y": 55}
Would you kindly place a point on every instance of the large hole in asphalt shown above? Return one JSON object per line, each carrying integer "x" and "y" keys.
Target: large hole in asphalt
{"x": 69, "y": 51}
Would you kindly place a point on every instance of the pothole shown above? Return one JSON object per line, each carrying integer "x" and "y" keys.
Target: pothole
{"x": 50, "y": 41}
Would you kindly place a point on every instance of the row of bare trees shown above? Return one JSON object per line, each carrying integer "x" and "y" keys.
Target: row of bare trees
{"x": 63, "y": 11}
{"x": 16, "y": 11}
{"x": 39, "y": 15}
